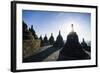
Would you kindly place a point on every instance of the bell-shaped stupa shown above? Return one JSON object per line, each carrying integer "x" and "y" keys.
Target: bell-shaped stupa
{"x": 72, "y": 49}
{"x": 59, "y": 41}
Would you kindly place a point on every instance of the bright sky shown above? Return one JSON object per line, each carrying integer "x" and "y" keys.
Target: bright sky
{"x": 47, "y": 22}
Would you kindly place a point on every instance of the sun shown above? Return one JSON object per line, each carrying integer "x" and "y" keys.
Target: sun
{"x": 67, "y": 28}
{"x": 75, "y": 28}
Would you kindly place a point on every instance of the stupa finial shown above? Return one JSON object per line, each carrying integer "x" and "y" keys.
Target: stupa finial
{"x": 59, "y": 32}
{"x": 72, "y": 27}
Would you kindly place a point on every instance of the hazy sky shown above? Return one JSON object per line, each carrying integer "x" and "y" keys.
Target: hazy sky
{"x": 47, "y": 22}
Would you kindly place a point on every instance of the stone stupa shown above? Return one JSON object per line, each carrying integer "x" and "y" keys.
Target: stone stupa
{"x": 72, "y": 49}
{"x": 59, "y": 43}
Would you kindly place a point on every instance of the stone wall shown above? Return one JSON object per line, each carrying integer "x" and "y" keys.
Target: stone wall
{"x": 30, "y": 47}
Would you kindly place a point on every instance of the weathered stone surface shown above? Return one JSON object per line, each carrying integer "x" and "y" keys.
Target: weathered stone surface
{"x": 30, "y": 47}
{"x": 30, "y": 44}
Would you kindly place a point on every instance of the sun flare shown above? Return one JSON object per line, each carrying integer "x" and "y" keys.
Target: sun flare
{"x": 67, "y": 28}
